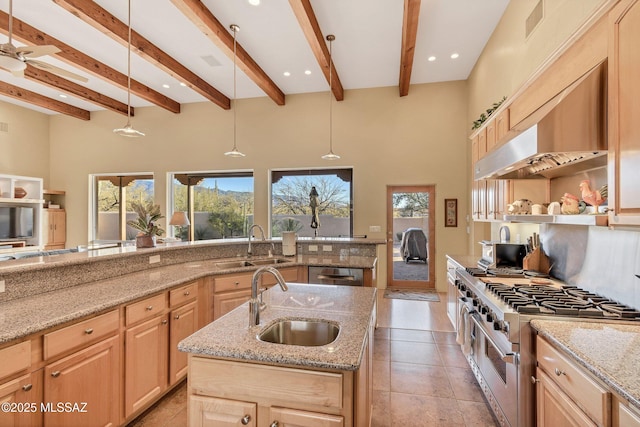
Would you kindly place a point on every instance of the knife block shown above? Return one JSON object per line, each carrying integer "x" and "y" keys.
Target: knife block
{"x": 537, "y": 261}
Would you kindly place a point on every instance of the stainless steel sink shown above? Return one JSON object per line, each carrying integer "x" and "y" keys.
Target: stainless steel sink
{"x": 268, "y": 261}
{"x": 233, "y": 264}
{"x": 301, "y": 332}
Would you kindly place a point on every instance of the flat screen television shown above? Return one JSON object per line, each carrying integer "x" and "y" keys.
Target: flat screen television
{"x": 16, "y": 222}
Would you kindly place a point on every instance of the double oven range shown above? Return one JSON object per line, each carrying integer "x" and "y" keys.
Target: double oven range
{"x": 494, "y": 308}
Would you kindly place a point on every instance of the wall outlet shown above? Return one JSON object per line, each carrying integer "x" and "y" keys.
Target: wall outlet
{"x": 154, "y": 259}
{"x": 327, "y": 248}
{"x": 2, "y": 288}
{"x": 375, "y": 228}
{"x": 313, "y": 248}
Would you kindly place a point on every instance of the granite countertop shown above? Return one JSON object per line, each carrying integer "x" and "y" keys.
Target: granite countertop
{"x": 230, "y": 337}
{"x": 32, "y": 314}
{"x": 611, "y": 351}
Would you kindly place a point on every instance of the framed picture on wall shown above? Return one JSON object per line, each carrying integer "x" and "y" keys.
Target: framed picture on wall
{"x": 450, "y": 212}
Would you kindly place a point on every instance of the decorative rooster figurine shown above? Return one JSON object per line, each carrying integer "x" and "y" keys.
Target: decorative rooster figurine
{"x": 594, "y": 198}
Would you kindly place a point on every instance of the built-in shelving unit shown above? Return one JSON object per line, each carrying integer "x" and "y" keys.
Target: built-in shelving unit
{"x": 583, "y": 219}
{"x": 23, "y": 191}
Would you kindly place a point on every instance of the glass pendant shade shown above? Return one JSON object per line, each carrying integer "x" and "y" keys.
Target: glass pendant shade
{"x": 234, "y": 151}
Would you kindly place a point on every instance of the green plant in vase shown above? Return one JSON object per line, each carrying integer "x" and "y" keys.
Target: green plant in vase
{"x": 146, "y": 223}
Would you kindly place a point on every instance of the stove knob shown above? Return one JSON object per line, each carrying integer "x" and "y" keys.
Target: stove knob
{"x": 489, "y": 317}
{"x": 505, "y": 327}
{"x": 483, "y": 309}
{"x": 469, "y": 294}
{"x": 475, "y": 302}
{"x": 497, "y": 325}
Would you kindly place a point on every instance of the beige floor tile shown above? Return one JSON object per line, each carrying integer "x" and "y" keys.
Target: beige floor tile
{"x": 477, "y": 414}
{"x": 421, "y": 380}
{"x": 445, "y": 337}
{"x": 423, "y": 411}
{"x": 381, "y": 416}
{"x": 464, "y": 384}
{"x": 381, "y": 350}
{"x": 381, "y": 375}
{"x": 411, "y": 335}
{"x": 452, "y": 355}
{"x": 381, "y": 334}
{"x": 415, "y": 352}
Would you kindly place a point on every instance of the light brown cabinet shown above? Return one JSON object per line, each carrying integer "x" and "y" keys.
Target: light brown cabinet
{"x": 89, "y": 380}
{"x": 624, "y": 132}
{"x": 22, "y": 392}
{"x": 54, "y": 228}
{"x": 182, "y": 323}
{"x": 555, "y": 408}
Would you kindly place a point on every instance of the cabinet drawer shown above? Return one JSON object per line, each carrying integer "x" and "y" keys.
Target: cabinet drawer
{"x": 80, "y": 334}
{"x": 145, "y": 309}
{"x": 295, "y": 417}
{"x": 232, "y": 283}
{"x": 259, "y": 382}
{"x": 15, "y": 358}
{"x": 289, "y": 274}
{"x": 626, "y": 417}
{"x": 183, "y": 294}
{"x": 586, "y": 392}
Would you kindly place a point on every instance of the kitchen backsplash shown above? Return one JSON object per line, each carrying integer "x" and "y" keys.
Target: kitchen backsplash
{"x": 600, "y": 260}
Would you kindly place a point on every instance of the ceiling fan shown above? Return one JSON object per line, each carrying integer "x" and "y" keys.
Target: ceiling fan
{"x": 15, "y": 59}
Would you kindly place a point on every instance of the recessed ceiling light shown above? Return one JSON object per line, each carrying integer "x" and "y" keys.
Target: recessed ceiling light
{"x": 431, "y": 58}
{"x": 454, "y": 55}
{"x": 254, "y": 2}
{"x": 166, "y": 86}
{"x": 307, "y": 72}
{"x": 286, "y": 73}
{"x": 62, "y": 95}
{"x": 183, "y": 84}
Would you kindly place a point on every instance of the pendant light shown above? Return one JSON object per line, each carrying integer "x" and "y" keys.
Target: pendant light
{"x": 234, "y": 152}
{"x": 128, "y": 130}
{"x": 330, "y": 155}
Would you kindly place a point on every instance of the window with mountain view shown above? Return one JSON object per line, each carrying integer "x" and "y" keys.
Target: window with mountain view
{"x": 219, "y": 204}
{"x": 291, "y": 202}
{"x": 112, "y": 198}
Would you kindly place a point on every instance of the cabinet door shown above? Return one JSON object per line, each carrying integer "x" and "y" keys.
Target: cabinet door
{"x": 89, "y": 380}
{"x": 624, "y": 132}
{"x": 225, "y": 302}
{"x": 183, "y": 322}
{"x": 555, "y": 408}
{"x": 479, "y": 200}
{"x": 213, "y": 412}
{"x": 146, "y": 369}
{"x": 295, "y": 418}
{"x": 25, "y": 393}
{"x": 54, "y": 228}
{"x": 482, "y": 143}
{"x": 491, "y": 135}
{"x": 502, "y": 125}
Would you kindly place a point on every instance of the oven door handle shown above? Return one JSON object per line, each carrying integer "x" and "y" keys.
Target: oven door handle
{"x": 506, "y": 357}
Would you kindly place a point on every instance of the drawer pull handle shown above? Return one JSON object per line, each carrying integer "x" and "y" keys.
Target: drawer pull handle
{"x": 149, "y": 308}
{"x": 88, "y": 331}
{"x": 236, "y": 283}
{"x": 186, "y": 293}
{"x": 164, "y": 321}
{"x": 55, "y": 374}
{"x": 177, "y": 317}
{"x": 534, "y": 380}
{"x": 559, "y": 372}
{"x": 274, "y": 424}
{"x": 246, "y": 420}
{"x": 27, "y": 387}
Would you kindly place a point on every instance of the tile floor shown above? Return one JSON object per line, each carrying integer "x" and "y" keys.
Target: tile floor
{"x": 420, "y": 375}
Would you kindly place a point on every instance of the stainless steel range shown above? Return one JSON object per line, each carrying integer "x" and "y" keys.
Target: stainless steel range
{"x": 495, "y": 308}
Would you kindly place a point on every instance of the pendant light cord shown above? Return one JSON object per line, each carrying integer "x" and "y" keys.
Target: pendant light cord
{"x": 330, "y": 98}
{"x": 129, "y": 70}
{"x": 235, "y": 101}
{"x": 10, "y": 19}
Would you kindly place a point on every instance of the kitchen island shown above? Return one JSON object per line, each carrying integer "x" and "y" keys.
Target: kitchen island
{"x": 235, "y": 376}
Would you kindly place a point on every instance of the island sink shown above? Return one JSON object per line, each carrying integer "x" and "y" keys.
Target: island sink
{"x": 310, "y": 333}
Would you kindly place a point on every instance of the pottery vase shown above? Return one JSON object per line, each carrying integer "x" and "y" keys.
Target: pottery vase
{"x": 145, "y": 241}
{"x": 19, "y": 192}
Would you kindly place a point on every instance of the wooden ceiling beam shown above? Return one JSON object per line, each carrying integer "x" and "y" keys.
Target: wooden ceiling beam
{"x": 29, "y": 97}
{"x": 202, "y": 18}
{"x": 57, "y": 82}
{"x": 99, "y": 18}
{"x": 409, "y": 36}
{"x": 311, "y": 29}
{"x": 32, "y": 36}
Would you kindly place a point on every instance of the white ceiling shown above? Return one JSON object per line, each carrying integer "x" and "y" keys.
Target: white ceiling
{"x": 366, "y": 51}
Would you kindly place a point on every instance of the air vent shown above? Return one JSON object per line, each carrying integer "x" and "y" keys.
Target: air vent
{"x": 211, "y": 60}
{"x": 4, "y": 127}
{"x": 534, "y": 18}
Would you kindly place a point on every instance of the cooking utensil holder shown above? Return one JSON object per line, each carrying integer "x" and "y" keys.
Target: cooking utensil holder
{"x": 536, "y": 260}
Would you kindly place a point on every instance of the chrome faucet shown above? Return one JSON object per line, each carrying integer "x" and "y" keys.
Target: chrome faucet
{"x": 249, "y": 252}
{"x": 255, "y": 303}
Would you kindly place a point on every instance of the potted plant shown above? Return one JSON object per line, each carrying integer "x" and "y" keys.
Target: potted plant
{"x": 146, "y": 224}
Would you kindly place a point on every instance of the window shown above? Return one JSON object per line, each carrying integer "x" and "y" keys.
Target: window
{"x": 111, "y": 204}
{"x": 219, "y": 204}
{"x": 290, "y": 202}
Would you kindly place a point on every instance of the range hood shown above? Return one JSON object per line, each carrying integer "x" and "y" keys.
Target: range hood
{"x": 565, "y": 136}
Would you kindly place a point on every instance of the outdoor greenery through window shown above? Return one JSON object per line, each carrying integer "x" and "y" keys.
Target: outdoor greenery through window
{"x": 219, "y": 205}
{"x": 290, "y": 202}
{"x": 112, "y": 196}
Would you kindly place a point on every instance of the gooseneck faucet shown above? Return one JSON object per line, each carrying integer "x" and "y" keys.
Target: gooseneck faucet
{"x": 254, "y": 303}
{"x": 249, "y": 252}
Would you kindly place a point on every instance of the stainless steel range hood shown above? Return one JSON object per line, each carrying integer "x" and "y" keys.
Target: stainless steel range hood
{"x": 563, "y": 137}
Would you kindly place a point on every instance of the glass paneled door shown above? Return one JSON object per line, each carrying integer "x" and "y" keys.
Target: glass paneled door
{"x": 410, "y": 236}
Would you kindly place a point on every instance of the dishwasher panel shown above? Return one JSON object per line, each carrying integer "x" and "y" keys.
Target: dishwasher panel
{"x": 336, "y": 276}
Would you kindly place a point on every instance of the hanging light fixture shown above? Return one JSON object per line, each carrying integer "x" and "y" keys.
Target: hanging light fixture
{"x": 330, "y": 155}
{"x": 128, "y": 130}
{"x": 234, "y": 152}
